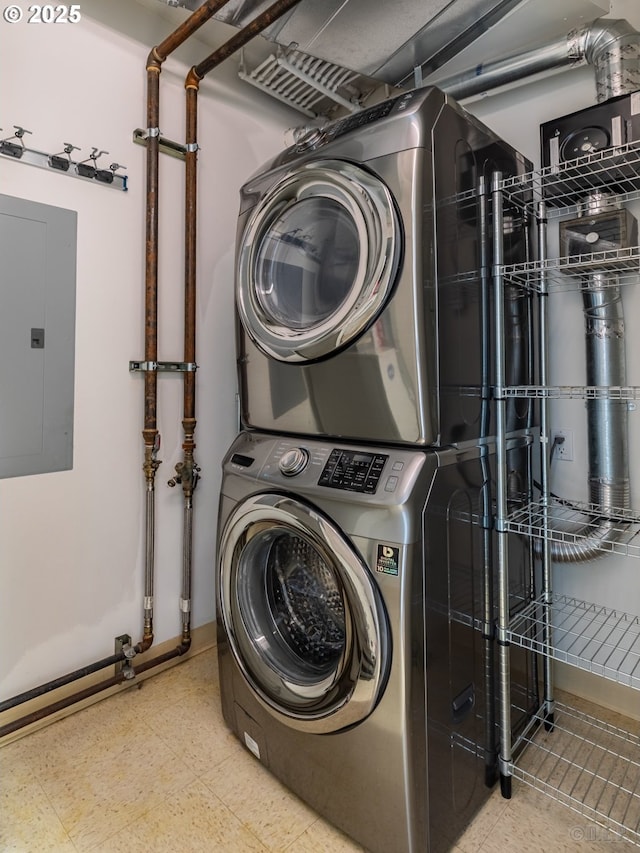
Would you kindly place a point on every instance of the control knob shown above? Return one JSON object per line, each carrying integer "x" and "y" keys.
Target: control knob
{"x": 311, "y": 139}
{"x": 293, "y": 461}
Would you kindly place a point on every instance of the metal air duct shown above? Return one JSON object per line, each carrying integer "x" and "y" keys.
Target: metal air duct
{"x": 607, "y": 419}
{"x": 612, "y": 47}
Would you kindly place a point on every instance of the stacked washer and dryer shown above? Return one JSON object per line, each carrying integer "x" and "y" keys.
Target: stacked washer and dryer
{"x": 355, "y": 590}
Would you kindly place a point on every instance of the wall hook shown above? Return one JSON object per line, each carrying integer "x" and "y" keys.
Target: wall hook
{"x": 62, "y": 161}
{"x": 57, "y": 161}
{"x": 89, "y": 171}
{"x": 14, "y": 149}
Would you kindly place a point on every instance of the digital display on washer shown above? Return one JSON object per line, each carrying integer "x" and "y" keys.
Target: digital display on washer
{"x": 353, "y": 471}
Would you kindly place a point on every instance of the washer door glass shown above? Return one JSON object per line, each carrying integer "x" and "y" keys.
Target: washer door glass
{"x": 302, "y": 613}
{"x": 317, "y": 261}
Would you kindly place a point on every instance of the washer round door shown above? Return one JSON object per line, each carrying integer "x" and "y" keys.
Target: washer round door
{"x": 317, "y": 261}
{"x": 305, "y": 621}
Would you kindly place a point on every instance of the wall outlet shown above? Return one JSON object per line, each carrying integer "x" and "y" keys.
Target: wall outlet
{"x": 562, "y": 442}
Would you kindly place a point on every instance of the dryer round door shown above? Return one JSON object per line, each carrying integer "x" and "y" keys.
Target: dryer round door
{"x": 305, "y": 621}
{"x": 317, "y": 261}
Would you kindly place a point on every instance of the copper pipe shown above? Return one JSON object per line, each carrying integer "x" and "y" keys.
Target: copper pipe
{"x": 191, "y": 166}
{"x": 187, "y": 470}
{"x": 151, "y": 255}
{"x": 156, "y": 57}
{"x": 177, "y": 651}
{"x": 188, "y": 28}
{"x": 150, "y": 433}
{"x": 88, "y": 692}
{"x": 61, "y": 681}
{"x": 41, "y": 713}
{"x": 254, "y": 28}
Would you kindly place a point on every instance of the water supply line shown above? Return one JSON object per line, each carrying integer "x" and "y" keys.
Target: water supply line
{"x": 186, "y": 471}
{"x": 611, "y": 46}
{"x": 150, "y": 434}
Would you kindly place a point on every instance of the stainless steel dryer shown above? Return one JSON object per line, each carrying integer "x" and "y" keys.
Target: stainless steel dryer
{"x": 361, "y": 277}
{"x": 355, "y": 658}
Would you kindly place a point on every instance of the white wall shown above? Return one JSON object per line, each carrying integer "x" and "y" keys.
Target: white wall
{"x": 517, "y": 115}
{"x": 72, "y": 543}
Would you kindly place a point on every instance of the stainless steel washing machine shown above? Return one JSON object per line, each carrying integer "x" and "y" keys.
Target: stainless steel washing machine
{"x": 361, "y": 277}
{"x": 356, "y": 660}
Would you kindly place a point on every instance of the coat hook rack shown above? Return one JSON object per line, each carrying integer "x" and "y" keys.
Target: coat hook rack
{"x": 87, "y": 170}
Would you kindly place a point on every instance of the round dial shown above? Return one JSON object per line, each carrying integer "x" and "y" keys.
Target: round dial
{"x": 294, "y": 461}
{"x": 311, "y": 139}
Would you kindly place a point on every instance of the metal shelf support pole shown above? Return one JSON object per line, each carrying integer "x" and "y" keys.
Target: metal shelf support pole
{"x": 488, "y": 596}
{"x": 545, "y": 444}
{"x": 504, "y": 759}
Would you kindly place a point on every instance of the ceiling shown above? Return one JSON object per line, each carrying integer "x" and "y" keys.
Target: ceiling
{"x": 401, "y": 35}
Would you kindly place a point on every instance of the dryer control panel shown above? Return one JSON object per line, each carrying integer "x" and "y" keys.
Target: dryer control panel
{"x": 317, "y": 137}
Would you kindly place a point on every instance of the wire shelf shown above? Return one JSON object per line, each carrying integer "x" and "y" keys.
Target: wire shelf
{"x": 573, "y": 392}
{"x": 615, "y": 530}
{"x": 588, "y": 765}
{"x": 588, "y": 636}
{"x": 615, "y": 266}
{"x": 614, "y": 169}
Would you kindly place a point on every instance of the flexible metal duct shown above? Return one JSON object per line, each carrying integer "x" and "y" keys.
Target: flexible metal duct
{"x": 607, "y": 419}
{"x": 612, "y": 47}
{"x": 607, "y": 426}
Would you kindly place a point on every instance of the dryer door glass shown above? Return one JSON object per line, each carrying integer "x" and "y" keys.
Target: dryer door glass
{"x": 307, "y": 263}
{"x": 317, "y": 261}
{"x": 304, "y": 618}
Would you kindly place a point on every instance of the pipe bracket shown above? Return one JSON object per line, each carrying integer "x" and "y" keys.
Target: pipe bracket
{"x": 163, "y": 366}
{"x": 165, "y": 146}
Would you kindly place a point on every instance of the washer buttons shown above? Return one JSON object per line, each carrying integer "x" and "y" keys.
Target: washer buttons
{"x": 391, "y": 484}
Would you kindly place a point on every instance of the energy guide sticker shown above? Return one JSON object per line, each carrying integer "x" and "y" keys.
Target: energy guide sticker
{"x": 388, "y": 559}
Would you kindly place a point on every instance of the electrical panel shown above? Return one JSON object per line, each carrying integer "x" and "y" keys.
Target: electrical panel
{"x": 37, "y": 336}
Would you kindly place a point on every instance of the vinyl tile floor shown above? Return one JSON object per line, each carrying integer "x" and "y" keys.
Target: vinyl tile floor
{"x": 155, "y": 770}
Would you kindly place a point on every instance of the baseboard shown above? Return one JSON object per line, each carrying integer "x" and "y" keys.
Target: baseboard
{"x": 202, "y": 638}
{"x": 601, "y": 691}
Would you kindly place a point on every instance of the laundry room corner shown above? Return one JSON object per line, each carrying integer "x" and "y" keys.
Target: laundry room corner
{"x": 319, "y": 446}
{"x": 72, "y": 546}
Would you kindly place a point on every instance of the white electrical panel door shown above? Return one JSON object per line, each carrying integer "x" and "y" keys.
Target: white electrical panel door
{"x": 37, "y": 336}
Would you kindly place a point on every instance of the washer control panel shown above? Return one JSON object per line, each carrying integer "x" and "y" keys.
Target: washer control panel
{"x": 353, "y": 470}
{"x": 314, "y": 468}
